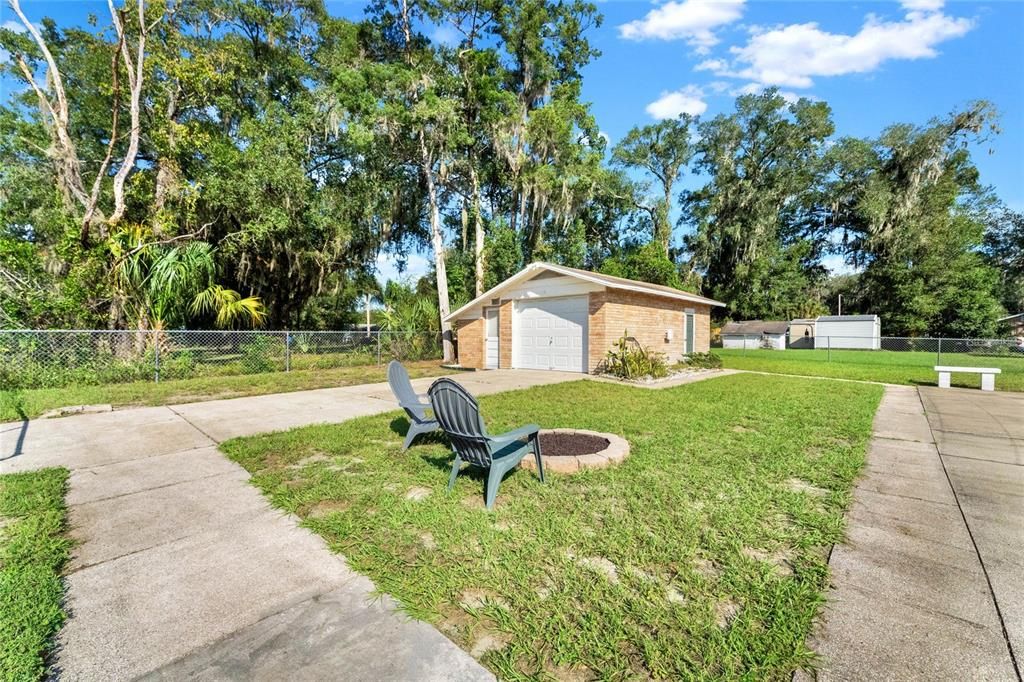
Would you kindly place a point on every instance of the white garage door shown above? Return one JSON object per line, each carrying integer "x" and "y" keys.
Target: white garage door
{"x": 551, "y": 333}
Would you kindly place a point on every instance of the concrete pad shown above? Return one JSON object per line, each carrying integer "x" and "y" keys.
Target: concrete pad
{"x": 898, "y": 426}
{"x": 123, "y": 478}
{"x": 117, "y": 526}
{"x": 911, "y": 517}
{"x": 98, "y": 439}
{"x": 934, "y": 490}
{"x": 1005, "y": 577}
{"x": 869, "y": 635}
{"x": 334, "y": 636}
{"x": 979, "y": 446}
{"x": 144, "y": 610}
{"x": 935, "y": 576}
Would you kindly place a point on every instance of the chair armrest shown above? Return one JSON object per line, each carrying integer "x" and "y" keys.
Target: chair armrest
{"x": 517, "y": 434}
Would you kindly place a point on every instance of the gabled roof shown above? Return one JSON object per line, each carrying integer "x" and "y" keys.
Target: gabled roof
{"x": 750, "y": 327}
{"x": 533, "y": 269}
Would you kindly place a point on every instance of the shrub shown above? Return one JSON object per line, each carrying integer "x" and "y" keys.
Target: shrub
{"x": 703, "y": 361}
{"x": 258, "y": 355}
{"x": 629, "y": 360}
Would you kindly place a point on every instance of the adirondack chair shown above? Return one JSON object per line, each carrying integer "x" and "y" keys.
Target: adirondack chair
{"x": 459, "y": 416}
{"x": 415, "y": 405}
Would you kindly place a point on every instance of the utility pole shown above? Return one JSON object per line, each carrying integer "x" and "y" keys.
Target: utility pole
{"x": 367, "y": 314}
{"x": 840, "y": 304}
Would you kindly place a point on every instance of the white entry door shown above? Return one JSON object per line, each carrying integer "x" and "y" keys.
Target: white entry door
{"x": 491, "y": 318}
{"x": 551, "y": 333}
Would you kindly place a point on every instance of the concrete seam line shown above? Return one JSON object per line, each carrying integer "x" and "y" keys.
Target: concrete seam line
{"x": 213, "y": 440}
{"x": 977, "y": 552}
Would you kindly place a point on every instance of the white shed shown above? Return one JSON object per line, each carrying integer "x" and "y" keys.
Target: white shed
{"x": 848, "y": 331}
{"x": 754, "y": 334}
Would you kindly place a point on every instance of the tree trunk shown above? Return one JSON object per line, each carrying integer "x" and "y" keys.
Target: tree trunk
{"x": 478, "y": 235}
{"x": 437, "y": 239}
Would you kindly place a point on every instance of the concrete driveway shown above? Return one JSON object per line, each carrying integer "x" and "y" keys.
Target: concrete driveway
{"x": 182, "y": 569}
{"x": 928, "y": 583}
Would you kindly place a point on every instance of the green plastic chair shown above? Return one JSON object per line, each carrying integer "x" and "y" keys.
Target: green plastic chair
{"x": 459, "y": 416}
{"x": 410, "y": 401}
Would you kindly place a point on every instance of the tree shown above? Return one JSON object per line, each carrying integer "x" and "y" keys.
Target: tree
{"x": 754, "y": 243}
{"x": 1004, "y": 247}
{"x": 909, "y": 210}
{"x": 661, "y": 149}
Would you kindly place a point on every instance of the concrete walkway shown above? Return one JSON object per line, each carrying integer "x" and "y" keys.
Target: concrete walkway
{"x": 182, "y": 568}
{"x": 927, "y": 584}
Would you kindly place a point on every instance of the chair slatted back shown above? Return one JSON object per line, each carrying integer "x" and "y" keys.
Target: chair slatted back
{"x": 401, "y": 386}
{"x": 459, "y": 415}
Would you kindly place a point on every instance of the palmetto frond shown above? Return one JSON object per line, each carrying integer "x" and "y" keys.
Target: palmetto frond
{"x": 229, "y": 306}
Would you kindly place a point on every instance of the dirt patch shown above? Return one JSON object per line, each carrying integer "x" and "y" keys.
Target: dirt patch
{"x": 601, "y": 565}
{"x": 490, "y": 641}
{"x": 725, "y": 612}
{"x": 427, "y": 540}
{"x": 779, "y": 560}
{"x": 565, "y": 673}
{"x": 708, "y": 569}
{"x": 800, "y": 486}
{"x": 476, "y": 598}
{"x": 739, "y": 428}
{"x": 571, "y": 444}
{"x": 417, "y": 493}
{"x": 673, "y": 595}
{"x": 325, "y": 508}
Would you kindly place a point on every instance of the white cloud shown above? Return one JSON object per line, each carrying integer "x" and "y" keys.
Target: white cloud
{"x": 691, "y": 20}
{"x": 793, "y": 55}
{"x": 416, "y": 266}
{"x": 687, "y": 100}
{"x": 446, "y": 35}
{"x": 12, "y": 25}
{"x": 923, "y": 5}
{"x": 718, "y": 87}
{"x": 712, "y": 65}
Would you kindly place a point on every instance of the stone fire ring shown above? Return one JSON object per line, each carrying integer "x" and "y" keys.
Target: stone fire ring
{"x": 617, "y": 450}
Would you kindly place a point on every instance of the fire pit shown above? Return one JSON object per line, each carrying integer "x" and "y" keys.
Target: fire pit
{"x": 569, "y": 450}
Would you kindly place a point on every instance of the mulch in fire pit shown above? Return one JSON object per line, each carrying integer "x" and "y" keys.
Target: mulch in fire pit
{"x": 570, "y": 444}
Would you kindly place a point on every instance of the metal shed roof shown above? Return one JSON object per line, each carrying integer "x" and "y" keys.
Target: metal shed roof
{"x": 847, "y": 318}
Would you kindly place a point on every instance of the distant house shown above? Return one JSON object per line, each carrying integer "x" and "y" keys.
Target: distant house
{"x": 1015, "y": 323}
{"x": 801, "y": 332}
{"x": 751, "y": 334}
{"x": 848, "y": 331}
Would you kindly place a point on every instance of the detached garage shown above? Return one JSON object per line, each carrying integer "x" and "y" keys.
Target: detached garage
{"x": 558, "y": 318}
{"x": 848, "y": 331}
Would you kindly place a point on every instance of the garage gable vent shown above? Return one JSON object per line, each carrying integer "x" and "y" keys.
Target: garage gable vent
{"x": 495, "y": 301}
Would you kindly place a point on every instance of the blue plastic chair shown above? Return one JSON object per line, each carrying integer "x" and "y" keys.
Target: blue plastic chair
{"x": 415, "y": 405}
{"x": 459, "y": 415}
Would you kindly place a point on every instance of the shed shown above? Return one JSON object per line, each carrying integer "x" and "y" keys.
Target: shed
{"x": 559, "y": 318}
{"x": 752, "y": 334}
{"x": 801, "y": 332}
{"x": 848, "y": 331}
{"x": 1015, "y": 323}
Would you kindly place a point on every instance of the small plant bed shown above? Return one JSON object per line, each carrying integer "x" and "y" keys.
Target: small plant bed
{"x": 33, "y": 551}
{"x": 703, "y": 555}
{"x": 567, "y": 451}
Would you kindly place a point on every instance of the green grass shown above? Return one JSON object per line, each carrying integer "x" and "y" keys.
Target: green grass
{"x": 33, "y": 550}
{"x": 717, "y": 526}
{"x": 29, "y": 403}
{"x": 914, "y": 368}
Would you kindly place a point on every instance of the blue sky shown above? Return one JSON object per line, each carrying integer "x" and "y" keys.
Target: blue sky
{"x": 875, "y": 63}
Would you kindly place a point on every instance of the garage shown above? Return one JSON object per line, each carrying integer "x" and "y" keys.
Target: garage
{"x": 550, "y": 334}
{"x": 551, "y": 317}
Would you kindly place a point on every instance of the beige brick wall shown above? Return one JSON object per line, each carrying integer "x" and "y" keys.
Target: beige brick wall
{"x": 615, "y": 313}
{"x": 505, "y": 335}
{"x": 471, "y": 343}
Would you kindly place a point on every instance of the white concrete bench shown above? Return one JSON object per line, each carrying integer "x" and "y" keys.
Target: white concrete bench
{"x": 988, "y": 375}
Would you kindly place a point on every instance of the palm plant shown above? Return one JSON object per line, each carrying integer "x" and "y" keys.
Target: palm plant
{"x": 161, "y": 285}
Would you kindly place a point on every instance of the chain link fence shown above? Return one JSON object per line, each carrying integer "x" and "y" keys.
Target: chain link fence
{"x": 55, "y": 358}
{"x": 912, "y": 353}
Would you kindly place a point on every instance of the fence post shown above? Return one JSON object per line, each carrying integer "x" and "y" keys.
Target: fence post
{"x": 156, "y": 356}
{"x": 939, "y": 361}
{"x": 378, "y": 348}
{"x": 287, "y": 351}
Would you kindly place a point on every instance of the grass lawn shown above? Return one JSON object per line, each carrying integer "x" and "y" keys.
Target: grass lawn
{"x": 22, "y": 404}
{"x": 885, "y": 366}
{"x": 33, "y": 549}
{"x": 702, "y": 556}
